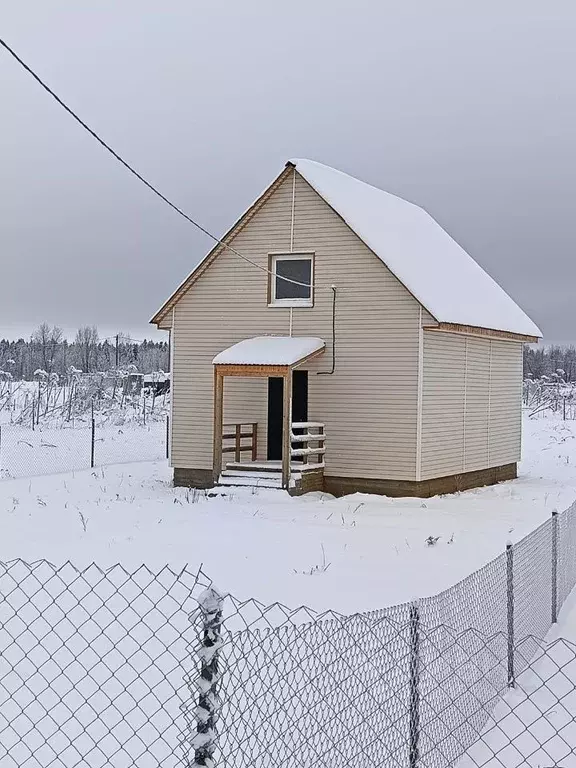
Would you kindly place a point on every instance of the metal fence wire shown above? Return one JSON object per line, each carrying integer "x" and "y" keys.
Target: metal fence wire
{"x": 94, "y": 666}
{"x": 26, "y": 452}
{"x": 157, "y": 669}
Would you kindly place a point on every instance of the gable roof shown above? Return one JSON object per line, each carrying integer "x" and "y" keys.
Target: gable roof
{"x": 427, "y": 261}
{"x": 437, "y": 271}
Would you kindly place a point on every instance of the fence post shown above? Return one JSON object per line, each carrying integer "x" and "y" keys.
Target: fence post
{"x": 92, "y": 437}
{"x": 33, "y": 409}
{"x": 510, "y": 611}
{"x": 204, "y": 743}
{"x": 554, "y": 566}
{"x": 414, "y": 685}
{"x": 167, "y": 437}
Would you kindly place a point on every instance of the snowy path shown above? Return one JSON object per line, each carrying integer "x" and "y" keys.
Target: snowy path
{"x": 350, "y": 554}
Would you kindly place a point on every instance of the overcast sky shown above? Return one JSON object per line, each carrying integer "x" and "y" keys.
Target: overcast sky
{"x": 466, "y": 108}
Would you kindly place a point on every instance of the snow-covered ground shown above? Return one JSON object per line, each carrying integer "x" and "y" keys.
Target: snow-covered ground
{"x": 351, "y": 554}
{"x": 533, "y": 725}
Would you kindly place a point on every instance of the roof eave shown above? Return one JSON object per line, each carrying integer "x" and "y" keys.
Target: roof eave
{"x": 474, "y": 330}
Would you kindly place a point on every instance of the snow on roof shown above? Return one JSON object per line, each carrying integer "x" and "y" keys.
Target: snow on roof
{"x": 432, "y": 266}
{"x": 270, "y": 350}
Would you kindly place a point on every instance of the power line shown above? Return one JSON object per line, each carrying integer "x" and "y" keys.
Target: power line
{"x": 135, "y": 173}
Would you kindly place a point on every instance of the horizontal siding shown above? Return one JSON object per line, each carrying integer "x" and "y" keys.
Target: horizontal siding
{"x": 471, "y": 403}
{"x": 369, "y": 405}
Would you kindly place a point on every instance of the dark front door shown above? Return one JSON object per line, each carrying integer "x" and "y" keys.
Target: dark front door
{"x": 275, "y": 405}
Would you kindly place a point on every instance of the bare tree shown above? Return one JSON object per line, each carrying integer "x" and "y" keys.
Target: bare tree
{"x": 86, "y": 343}
{"x": 46, "y": 340}
{"x": 43, "y": 351}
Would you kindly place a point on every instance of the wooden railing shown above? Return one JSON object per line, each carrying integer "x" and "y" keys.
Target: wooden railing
{"x": 308, "y": 441}
{"x": 240, "y": 433}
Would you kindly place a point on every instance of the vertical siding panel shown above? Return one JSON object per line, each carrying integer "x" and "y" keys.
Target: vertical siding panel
{"x": 443, "y": 397}
{"x": 505, "y": 402}
{"x": 477, "y": 384}
{"x": 472, "y": 403}
{"x": 369, "y": 404}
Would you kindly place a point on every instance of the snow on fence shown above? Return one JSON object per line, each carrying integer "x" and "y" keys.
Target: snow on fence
{"x": 550, "y": 395}
{"x": 25, "y": 452}
{"x": 158, "y": 669}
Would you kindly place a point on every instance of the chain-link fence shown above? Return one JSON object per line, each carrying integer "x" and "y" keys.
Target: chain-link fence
{"x": 412, "y": 686}
{"x": 25, "y": 452}
{"x": 532, "y": 725}
{"x": 157, "y": 669}
{"x": 94, "y": 665}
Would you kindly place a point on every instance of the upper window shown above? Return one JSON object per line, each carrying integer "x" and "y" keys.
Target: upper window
{"x": 291, "y": 281}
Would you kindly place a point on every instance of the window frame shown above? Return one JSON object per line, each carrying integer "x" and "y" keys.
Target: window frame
{"x": 273, "y": 258}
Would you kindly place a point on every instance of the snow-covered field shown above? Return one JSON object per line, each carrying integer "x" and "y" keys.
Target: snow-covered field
{"x": 351, "y": 554}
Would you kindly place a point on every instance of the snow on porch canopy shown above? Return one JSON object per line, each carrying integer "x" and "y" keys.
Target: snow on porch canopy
{"x": 271, "y": 350}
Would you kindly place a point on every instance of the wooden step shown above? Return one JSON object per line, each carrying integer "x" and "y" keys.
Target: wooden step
{"x": 256, "y": 475}
{"x": 249, "y": 481}
{"x": 258, "y": 466}
{"x": 254, "y": 466}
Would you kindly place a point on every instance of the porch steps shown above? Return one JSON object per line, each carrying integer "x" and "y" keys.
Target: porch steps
{"x": 251, "y": 475}
{"x": 248, "y": 482}
{"x": 260, "y": 475}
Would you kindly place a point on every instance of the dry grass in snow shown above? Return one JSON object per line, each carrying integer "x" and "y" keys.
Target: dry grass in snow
{"x": 351, "y": 554}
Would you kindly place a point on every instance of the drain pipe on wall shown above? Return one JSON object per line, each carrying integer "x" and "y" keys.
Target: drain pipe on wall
{"x": 331, "y": 371}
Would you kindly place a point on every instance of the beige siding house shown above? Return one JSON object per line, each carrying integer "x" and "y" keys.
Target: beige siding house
{"x": 338, "y": 338}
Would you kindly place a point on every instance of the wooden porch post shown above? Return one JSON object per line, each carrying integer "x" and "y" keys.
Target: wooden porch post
{"x": 287, "y": 429}
{"x": 218, "y": 421}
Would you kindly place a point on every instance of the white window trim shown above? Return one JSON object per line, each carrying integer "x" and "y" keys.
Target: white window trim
{"x": 274, "y": 257}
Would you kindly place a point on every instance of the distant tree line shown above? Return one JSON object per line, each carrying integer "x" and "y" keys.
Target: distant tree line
{"x": 48, "y": 350}
{"x": 547, "y": 361}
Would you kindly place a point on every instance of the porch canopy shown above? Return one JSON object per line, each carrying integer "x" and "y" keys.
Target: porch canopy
{"x": 271, "y": 351}
{"x": 262, "y": 356}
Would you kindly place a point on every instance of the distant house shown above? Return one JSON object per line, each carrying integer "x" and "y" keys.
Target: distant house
{"x": 346, "y": 343}
{"x": 157, "y": 383}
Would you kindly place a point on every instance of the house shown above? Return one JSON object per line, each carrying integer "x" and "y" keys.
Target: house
{"x": 338, "y": 338}
{"x": 157, "y": 383}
